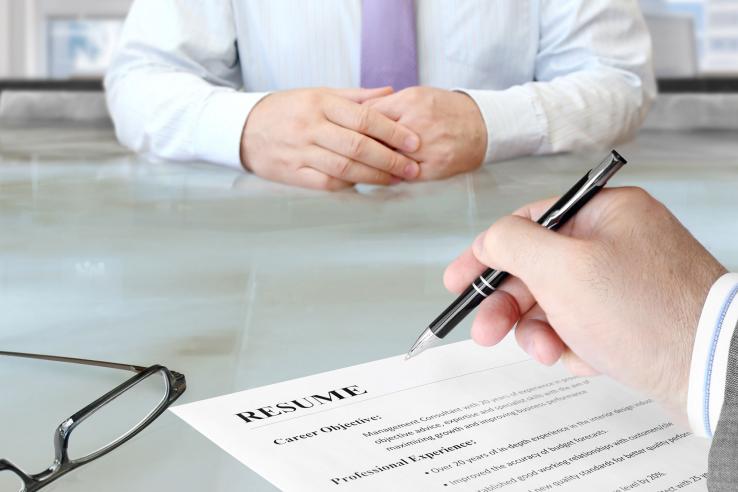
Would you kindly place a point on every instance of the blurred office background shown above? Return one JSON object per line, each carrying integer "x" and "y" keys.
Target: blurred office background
{"x": 693, "y": 37}
{"x": 58, "y": 39}
{"x": 66, "y": 45}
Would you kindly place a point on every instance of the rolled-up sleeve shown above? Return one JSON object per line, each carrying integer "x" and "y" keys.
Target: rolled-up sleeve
{"x": 173, "y": 89}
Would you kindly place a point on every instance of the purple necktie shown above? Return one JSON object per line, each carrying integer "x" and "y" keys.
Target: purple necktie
{"x": 389, "y": 53}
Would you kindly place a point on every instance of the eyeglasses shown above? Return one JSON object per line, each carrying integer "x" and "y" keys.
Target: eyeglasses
{"x": 107, "y": 422}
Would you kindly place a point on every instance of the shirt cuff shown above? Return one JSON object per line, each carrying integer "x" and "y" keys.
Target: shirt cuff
{"x": 516, "y": 123}
{"x": 709, "y": 366}
{"x": 220, "y": 126}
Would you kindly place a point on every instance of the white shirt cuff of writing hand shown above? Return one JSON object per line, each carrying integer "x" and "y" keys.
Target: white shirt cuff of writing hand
{"x": 710, "y": 355}
{"x": 221, "y": 123}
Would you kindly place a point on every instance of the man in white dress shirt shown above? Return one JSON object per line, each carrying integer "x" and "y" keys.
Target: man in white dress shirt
{"x": 244, "y": 83}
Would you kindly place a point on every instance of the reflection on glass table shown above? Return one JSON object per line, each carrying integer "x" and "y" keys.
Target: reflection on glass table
{"x": 101, "y": 426}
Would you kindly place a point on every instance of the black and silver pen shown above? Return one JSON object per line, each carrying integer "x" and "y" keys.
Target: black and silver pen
{"x": 490, "y": 279}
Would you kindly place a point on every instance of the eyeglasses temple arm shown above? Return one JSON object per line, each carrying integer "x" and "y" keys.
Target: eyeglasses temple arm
{"x": 72, "y": 360}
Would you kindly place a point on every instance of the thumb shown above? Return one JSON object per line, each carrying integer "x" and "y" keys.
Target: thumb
{"x": 526, "y": 250}
{"x": 360, "y": 95}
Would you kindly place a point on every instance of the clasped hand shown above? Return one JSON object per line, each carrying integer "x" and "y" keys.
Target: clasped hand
{"x": 332, "y": 139}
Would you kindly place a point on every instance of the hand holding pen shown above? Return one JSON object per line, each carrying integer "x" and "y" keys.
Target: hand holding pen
{"x": 618, "y": 291}
{"x": 489, "y": 281}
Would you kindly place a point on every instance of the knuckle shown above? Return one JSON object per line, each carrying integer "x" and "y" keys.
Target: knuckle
{"x": 501, "y": 224}
{"x": 357, "y": 145}
{"x": 491, "y": 239}
{"x": 313, "y": 97}
{"x": 637, "y": 201}
{"x": 397, "y": 135}
{"x": 306, "y": 127}
{"x": 343, "y": 167}
{"x": 319, "y": 129}
{"x": 499, "y": 229}
{"x": 509, "y": 306}
{"x": 446, "y": 155}
{"x": 636, "y": 194}
{"x": 446, "y": 134}
{"x": 397, "y": 163}
{"x": 363, "y": 119}
{"x": 300, "y": 126}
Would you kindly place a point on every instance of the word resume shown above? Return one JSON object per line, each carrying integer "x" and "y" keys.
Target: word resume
{"x": 458, "y": 417}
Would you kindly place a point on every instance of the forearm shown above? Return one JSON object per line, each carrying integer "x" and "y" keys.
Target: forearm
{"x": 172, "y": 87}
{"x": 593, "y": 83}
{"x": 174, "y": 115}
{"x": 589, "y": 109}
{"x": 583, "y": 110}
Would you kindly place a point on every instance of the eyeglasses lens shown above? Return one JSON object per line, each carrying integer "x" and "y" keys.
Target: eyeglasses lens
{"x": 118, "y": 418}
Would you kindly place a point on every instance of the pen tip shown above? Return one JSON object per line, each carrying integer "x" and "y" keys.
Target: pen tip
{"x": 425, "y": 340}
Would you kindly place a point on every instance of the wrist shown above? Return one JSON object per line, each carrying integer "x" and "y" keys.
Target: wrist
{"x": 476, "y": 129}
{"x": 244, "y": 155}
{"x": 676, "y": 356}
{"x": 250, "y": 135}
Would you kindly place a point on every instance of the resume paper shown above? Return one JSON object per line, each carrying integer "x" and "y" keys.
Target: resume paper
{"x": 458, "y": 417}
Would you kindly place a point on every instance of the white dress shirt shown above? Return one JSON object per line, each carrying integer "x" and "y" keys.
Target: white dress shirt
{"x": 547, "y": 75}
{"x": 710, "y": 355}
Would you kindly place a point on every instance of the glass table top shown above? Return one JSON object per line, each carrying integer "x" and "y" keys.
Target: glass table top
{"x": 237, "y": 282}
